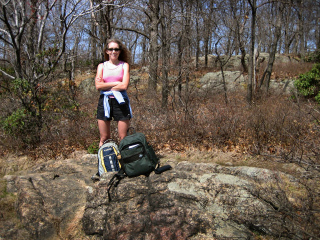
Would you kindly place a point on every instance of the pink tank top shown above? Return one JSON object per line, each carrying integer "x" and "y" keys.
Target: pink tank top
{"x": 113, "y": 73}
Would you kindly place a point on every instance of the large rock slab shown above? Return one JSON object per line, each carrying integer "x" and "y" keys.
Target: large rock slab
{"x": 194, "y": 201}
{"x": 58, "y": 200}
{"x": 51, "y": 198}
{"x": 234, "y": 62}
{"x": 235, "y": 80}
{"x": 214, "y": 81}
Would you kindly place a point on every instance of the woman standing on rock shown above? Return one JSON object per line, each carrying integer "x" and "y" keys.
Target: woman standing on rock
{"x": 112, "y": 80}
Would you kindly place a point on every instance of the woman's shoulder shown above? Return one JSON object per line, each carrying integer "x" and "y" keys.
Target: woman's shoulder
{"x": 125, "y": 65}
{"x": 100, "y": 67}
{"x": 101, "y": 64}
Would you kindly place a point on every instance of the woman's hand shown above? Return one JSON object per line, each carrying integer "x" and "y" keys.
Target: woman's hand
{"x": 103, "y": 86}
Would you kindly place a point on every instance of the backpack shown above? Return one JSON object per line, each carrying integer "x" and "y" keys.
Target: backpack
{"x": 108, "y": 157}
{"x": 137, "y": 156}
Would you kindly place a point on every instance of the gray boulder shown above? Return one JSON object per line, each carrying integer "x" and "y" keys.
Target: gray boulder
{"x": 193, "y": 201}
{"x": 58, "y": 200}
{"x": 87, "y": 87}
{"x": 214, "y": 81}
{"x": 234, "y": 63}
{"x": 51, "y": 198}
{"x": 235, "y": 80}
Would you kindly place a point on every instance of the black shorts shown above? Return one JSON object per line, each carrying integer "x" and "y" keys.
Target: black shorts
{"x": 117, "y": 112}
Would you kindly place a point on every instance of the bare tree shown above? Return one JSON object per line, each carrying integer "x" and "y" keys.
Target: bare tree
{"x": 317, "y": 26}
{"x": 239, "y": 13}
{"x": 222, "y": 63}
{"x": 265, "y": 80}
{"x": 208, "y": 28}
{"x": 165, "y": 45}
{"x": 93, "y": 36}
{"x": 289, "y": 31}
{"x": 35, "y": 54}
{"x": 153, "y": 12}
{"x": 301, "y": 24}
{"x": 197, "y": 26}
{"x": 253, "y": 5}
{"x": 102, "y": 23}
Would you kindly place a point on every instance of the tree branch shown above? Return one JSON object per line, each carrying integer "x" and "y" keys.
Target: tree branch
{"x": 6, "y": 74}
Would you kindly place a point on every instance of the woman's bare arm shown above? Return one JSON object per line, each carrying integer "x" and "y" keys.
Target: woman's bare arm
{"x": 125, "y": 81}
{"x": 100, "y": 84}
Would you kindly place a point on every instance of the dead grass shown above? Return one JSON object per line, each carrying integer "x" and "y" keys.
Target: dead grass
{"x": 8, "y": 215}
{"x": 6, "y": 201}
{"x": 83, "y": 76}
{"x": 291, "y": 70}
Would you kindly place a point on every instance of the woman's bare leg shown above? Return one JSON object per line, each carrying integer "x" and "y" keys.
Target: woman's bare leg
{"x": 104, "y": 129}
{"x": 123, "y": 127}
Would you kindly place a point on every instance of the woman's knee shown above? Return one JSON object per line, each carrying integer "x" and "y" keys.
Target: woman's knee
{"x": 104, "y": 138}
{"x": 123, "y": 127}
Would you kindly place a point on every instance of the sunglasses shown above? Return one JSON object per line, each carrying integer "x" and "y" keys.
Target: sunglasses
{"x": 113, "y": 49}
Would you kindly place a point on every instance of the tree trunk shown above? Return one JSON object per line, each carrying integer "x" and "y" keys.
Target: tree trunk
{"x": 208, "y": 32}
{"x": 165, "y": 58}
{"x": 179, "y": 64}
{"x": 153, "y": 44}
{"x": 188, "y": 42}
{"x": 222, "y": 64}
{"x": 301, "y": 27}
{"x": 144, "y": 51}
{"x": 93, "y": 44}
{"x": 198, "y": 39}
{"x": 253, "y": 5}
{"x": 265, "y": 80}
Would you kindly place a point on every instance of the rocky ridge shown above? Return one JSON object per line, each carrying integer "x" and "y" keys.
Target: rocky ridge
{"x": 58, "y": 200}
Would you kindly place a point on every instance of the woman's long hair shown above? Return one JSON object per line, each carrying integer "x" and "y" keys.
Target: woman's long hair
{"x": 124, "y": 52}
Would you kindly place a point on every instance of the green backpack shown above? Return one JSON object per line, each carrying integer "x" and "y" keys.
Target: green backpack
{"x": 137, "y": 156}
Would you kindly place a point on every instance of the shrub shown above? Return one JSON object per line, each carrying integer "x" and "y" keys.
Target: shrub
{"x": 14, "y": 123}
{"x": 313, "y": 57}
{"x": 93, "y": 148}
{"x": 308, "y": 84}
{"x": 22, "y": 125}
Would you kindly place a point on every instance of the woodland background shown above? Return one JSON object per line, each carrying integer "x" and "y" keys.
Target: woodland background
{"x": 48, "y": 47}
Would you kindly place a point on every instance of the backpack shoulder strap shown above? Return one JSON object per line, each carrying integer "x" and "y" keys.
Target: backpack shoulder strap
{"x": 162, "y": 169}
{"x": 115, "y": 180}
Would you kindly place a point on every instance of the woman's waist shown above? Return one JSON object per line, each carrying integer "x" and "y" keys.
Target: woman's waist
{"x": 111, "y": 94}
